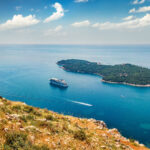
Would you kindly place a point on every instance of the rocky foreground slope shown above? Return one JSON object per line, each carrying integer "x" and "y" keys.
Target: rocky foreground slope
{"x": 23, "y": 127}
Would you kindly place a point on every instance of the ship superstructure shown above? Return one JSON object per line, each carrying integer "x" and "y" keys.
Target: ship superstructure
{"x": 58, "y": 82}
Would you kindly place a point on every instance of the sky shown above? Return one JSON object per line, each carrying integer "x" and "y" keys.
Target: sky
{"x": 92, "y": 22}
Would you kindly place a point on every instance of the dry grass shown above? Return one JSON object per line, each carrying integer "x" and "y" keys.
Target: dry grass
{"x": 23, "y": 127}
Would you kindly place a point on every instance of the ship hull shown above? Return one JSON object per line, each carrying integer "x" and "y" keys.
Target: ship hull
{"x": 58, "y": 84}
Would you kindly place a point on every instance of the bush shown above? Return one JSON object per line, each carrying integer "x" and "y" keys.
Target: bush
{"x": 17, "y": 107}
{"x": 44, "y": 147}
{"x": 37, "y": 113}
{"x": 5, "y": 109}
{"x": 15, "y": 141}
{"x": 28, "y": 109}
{"x": 132, "y": 140}
{"x": 30, "y": 117}
{"x": 23, "y": 118}
{"x": 50, "y": 117}
{"x": 50, "y": 126}
{"x": 19, "y": 141}
{"x": 26, "y": 118}
{"x": 80, "y": 135}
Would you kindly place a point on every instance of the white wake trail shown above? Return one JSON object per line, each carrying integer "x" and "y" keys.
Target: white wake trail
{"x": 81, "y": 103}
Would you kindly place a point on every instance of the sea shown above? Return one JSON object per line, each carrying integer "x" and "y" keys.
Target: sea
{"x": 25, "y": 71}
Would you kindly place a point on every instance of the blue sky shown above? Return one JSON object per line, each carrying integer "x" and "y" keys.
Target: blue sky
{"x": 75, "y": 21}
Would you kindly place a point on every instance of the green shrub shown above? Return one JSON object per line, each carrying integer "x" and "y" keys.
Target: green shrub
{"x": 44, "y": 124}
{"x": 26, "y": 118}
{"x": 16, "y": 108}
{"x": 132, "y": 140}
{"x": 80, "y": 135}
{"x": 19, "y": 141}
{"x": 15, "y": 141}
{"x": 44, "y": 147}
{"x": 50, "y": 126}
{"x": 28, "y": 109}
{"x": 50, "y": 117}
{"x": 5, "y": 109}
{"x": 37, "y": 113}
{"x": 30, "y": 117}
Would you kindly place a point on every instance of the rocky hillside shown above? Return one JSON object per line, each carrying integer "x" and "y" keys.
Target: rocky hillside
{"x": 23, "y": 127}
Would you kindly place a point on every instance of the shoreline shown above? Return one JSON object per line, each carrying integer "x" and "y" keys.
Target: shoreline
{"x": 124, "y": 83}
{"x": 84, "y": 125}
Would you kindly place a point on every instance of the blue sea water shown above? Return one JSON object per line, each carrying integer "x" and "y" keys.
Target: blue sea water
{"x": 25, "y": 70}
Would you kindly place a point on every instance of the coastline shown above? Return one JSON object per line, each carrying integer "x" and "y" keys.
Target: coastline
{"x": 47, "y": 123}
{"x": 124, "y": 83}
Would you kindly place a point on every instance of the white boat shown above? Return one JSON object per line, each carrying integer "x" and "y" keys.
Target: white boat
{"x": 60, "y": 83}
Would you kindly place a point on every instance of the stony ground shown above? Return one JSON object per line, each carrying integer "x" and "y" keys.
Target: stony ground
{"x": 23, "y": 127}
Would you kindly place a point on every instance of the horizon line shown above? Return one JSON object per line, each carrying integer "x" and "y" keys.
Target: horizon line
{"x": 146, "y": 44}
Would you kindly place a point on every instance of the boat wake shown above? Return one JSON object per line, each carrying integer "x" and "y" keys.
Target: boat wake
{"x": 81, "y": 103}
{"x": 66, "y": 99}
{"x": 72, "y": 101}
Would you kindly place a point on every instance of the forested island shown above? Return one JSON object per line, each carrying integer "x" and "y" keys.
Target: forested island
{"x": 122, "y": 73}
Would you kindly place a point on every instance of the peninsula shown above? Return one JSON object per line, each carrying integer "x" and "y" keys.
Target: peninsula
{"x": 123, "y": 74}
{"x": 24, "y": 127}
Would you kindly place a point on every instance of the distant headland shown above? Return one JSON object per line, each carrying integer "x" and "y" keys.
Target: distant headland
{"x": 121, "y": 74}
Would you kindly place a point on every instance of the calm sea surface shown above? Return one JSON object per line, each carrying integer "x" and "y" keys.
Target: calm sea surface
{"x": 25, "y": 70}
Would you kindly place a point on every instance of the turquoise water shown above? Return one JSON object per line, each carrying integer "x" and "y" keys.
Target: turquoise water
{"x": 25, "y": 70}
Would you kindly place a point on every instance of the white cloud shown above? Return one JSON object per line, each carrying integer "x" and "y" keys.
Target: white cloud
{"x": 56, "y": 15}
{"x": 144, "y": 9}
{"x": 132, "y": 10}
{"x": 128, "y": 18}
{"x": 140, "y": 10}
{"x": 80, "y": 1}
{"x": 57, "y": 31}
{"x": 130, "y": 24}
{"x": 135, "y": 2}
{"x": 18, "y": 21}
{"x": 85, "y": 23}
{"x": 58, "y": 28}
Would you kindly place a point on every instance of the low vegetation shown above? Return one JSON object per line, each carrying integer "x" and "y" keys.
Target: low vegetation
{"x": 23, "y": 127}
{"x": 124, "y": 73}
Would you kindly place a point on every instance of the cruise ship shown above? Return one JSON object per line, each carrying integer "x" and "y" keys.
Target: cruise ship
{"x": 59, "y": 83}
